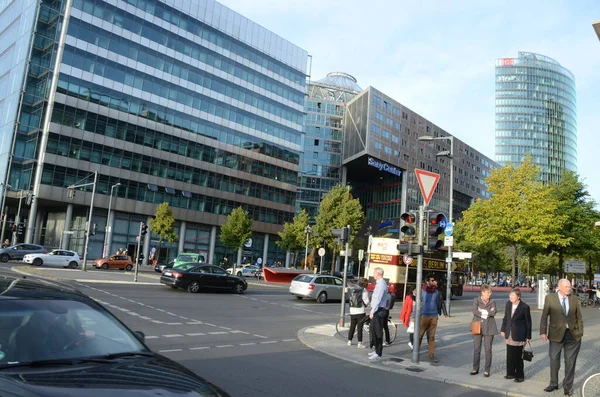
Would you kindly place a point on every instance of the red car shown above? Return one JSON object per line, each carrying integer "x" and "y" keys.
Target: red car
{"x": 114, "y": 262}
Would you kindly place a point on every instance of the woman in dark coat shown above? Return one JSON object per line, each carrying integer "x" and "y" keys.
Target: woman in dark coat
{"x": 516, "y": 331}
{"x": 484, "y": 311}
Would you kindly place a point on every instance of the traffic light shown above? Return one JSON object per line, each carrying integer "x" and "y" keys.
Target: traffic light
{"x": 94, "y": 226}
{"x": 70, "y": 193}
{"x": 20, "y": 229}
{"x": 144, "y": 229}
{"x": 341, "y": 236}
{"x": 409, "y": 219}
{"x": 14, "y": 227}
{"x": 437, "y": 223}
{"x": 30, "y": 197}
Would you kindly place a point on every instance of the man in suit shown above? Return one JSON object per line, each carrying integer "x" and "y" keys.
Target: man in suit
{"x": 564, "y": 332}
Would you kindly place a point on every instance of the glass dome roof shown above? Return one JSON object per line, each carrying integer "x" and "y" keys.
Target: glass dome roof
{"x": 341, "y": 81}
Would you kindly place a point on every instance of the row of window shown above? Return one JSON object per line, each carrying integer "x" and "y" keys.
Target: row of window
{"x": 54, "y": 175}
{"x": 137, "y": 52}
{"x": 105, "y": 96}
{"x": 134, "y": 24}
{"x": 117, "y": 158}
{"x": 528, "y": 106}
{"x": 555, "y": 73}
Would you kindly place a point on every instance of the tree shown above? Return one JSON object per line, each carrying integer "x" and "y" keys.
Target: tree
{"x": 338, "y": 209}
{"x": 236, "y": 231}
{"x": 163, "y": 225}
{"x": 521, "y": 212}
{"x": 293, "y": 237}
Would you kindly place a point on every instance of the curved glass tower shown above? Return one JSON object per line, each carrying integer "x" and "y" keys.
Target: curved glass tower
{"x": 536, "y": 114}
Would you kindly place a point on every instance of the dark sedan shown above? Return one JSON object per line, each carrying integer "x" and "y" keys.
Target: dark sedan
{"x": 56, "y": 341}
{"x": 201, "y": 276}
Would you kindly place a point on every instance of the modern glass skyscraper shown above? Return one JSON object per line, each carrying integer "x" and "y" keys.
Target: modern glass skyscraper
{"x": 185, "y": 102}
{"x": 536, "y": 114}
{"x": 321, "y": 162}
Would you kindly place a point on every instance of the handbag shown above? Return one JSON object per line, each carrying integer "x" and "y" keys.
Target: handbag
{"x": 411, "y": 327}
{"x": 476, "y": 327}
{"x": 528, "y": 354}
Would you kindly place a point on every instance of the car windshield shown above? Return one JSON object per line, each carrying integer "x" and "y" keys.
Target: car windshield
{"x": 304, "y": 278}
{"x": 185, "y": 266}
{"x": 35, "y": 330}
{"x": 185, "y": 258}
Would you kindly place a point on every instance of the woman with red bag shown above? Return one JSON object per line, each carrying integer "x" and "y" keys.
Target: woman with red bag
{"x": 484, "y": 312}
{"x": 407, "y": 315}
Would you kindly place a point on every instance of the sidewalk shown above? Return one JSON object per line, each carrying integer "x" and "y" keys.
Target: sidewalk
{"x": 146, "y": 274}
{"x": 454, "y": 350}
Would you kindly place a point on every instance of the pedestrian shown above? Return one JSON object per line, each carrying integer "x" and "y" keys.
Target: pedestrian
{"x": 516, "y": 332}
{"x": 5, "y": 243}
{"x": 359, "y": 300}
{"x": 430, "y": 312}
{"x": 564, "y": 332}
{"x": 378, "y": 311}
{"x": 484, "y": 312}
{"x": 407, "y": 315}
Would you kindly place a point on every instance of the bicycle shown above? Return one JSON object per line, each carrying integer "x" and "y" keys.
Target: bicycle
{"x": 342, "y": 331}
{"x": 591, "y": 386}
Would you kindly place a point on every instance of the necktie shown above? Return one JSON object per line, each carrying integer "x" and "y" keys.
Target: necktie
{"x": 565, "y": 305}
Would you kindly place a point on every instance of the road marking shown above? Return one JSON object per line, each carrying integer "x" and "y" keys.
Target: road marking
{"x": 161, "y": 310}
{"x": 218, "y": 333}
{"x": 220, "y": 326}
{"x": 288, "y": 340}
{"x": 259, "y": 336}
{"x": 158, "y": 321}
{"x": 173, "y": 336}
{"x": 197, "y": 334}
{"x": 237, "y": 331}
{"x": 145, "y": 318}
{"x": 194, "y": 322}
{"x": 185, "y": 318}
{"x": 248, "y": 344}
{"x": 200, "y": 348}
{"x": 221, "y": 346}
{"x": 170, "y": 350}
{"x": 268, "y": 342}
{"x": 171, "y": 314}
{"x": 210, "y": 325}
{"x": 174, "y": 323}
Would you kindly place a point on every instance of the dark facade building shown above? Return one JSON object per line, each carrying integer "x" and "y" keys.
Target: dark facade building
{"x": 185, "y": 102}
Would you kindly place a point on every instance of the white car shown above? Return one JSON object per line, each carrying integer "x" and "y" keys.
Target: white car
{"x": 56, "y": 258}
{"x": 238, "y": 269}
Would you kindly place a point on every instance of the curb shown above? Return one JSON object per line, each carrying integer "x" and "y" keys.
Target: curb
{"x": 17, "y": 269}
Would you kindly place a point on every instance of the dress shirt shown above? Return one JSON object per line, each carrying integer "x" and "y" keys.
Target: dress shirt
{"x": 564, "y": 299}
{"x": 378, "y": 292}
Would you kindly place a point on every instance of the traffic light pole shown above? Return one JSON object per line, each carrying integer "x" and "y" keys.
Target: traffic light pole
{"x": 137, "y": 257}
{"x": 450, "y": 216}
{"x": 89, "y": 225}
{"x": 343, "y": 309}
{"x": 17, "y": 219}
{"x": 419, "y": 286}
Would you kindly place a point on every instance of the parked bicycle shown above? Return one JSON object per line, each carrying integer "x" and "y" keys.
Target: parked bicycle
{"x": 591, "y": 386}
{"x": 342, "y": 331}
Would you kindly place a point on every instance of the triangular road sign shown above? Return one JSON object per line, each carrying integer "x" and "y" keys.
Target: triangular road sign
{"x": 427, "y": 182}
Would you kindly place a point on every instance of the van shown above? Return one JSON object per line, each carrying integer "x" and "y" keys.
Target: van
{"x": 189, "y": 257}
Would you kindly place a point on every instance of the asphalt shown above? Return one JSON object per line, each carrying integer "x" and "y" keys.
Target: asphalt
{"x": 454, "y": 350}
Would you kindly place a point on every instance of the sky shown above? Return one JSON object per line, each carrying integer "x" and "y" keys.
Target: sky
{"x": 437, "y": 57}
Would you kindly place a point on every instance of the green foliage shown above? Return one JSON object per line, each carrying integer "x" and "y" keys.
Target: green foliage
{"x": 237, "y": 229}
{"x": 338, "y": 209}
{"x": 163, "y": 223}
{"x": 293, "y": 237}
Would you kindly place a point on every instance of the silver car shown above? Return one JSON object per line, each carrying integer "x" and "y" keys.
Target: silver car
{"x": 19, "y": 251}
{"x": 317, "y": 286}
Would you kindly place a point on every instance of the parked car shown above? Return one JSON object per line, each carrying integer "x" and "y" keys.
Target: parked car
{"x": 317, "y": 286}
{"x": 55, "y": 258}
{"x": 162, "y": 266}
{"x": 252, "y": 271}
{"x": 56, "y": 341}
{"x": 18, "y": 251}
{"x": 238, "y": 269}
{"x": 122, "y": 262}
{"x": 189, "y": 257}
{"x": 201, "y": 276}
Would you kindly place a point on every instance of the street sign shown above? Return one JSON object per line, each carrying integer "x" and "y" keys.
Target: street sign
{"x": 407, "y": 259}
{"x": 361, "y": 254}
{"x": 449, "y": 241}
{"x": 449, "y": 229}
{"x": 427, "y": 183}
{"x": 321, "y": 251}
{"x": 575, "y": 267}
{"x": 350, "y": 252}
{"x": 462, "y": 255}
{"x": 153, "y": 250}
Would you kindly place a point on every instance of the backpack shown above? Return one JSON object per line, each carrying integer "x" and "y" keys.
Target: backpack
{"x": 390, "y": 300}
{"x": 356, "y": 299}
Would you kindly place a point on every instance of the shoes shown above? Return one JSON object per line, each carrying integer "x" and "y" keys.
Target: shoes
{"x": 508, "y": 377}
{"x": 360, "y": 345}
{"x": 372, "y": 354}
{"x": 519, "y": 380}
{"x": 386, "y": 344}
{"x": 551, "y": 388}
{"x": 433, "y": 360}
{"x": 486, "y": 374}
{"x": 349, "y": 343}
{"x": 473, "y": 372}
{"x": 568, "y": 392}
{"x": 375, "y": 357}
{"x": 410, "y": 345}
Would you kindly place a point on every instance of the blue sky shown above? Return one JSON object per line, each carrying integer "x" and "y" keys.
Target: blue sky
{"x": 437, "y": 57}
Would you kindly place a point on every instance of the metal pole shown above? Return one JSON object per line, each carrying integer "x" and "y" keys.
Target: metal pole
{"x": 343, "y": 308}
{"x": 4, "y": 208}
{"x": 108, "y": 231}
{"x": 17, "y": 219}
{"x": 306, "y": 230}
{"x": 137, "y": 256}
{"x": 321, "y": 267}
{"x": 417, "y": 339}
{"x": 449, "y": 258}
{"x": 89, "y": 225}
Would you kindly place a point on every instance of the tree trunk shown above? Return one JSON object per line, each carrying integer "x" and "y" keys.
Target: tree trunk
{"x": 514, "y": 266}
{"x": 561, "y": 260}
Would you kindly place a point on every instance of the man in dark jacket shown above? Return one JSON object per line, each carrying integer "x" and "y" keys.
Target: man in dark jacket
{"x": 431, "y": 309}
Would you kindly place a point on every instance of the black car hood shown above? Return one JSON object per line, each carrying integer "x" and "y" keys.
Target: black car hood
{"x": 129, "y": 377}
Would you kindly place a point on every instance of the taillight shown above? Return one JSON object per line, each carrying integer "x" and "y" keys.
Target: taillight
{"x": 177, "y": 275}
{"x": 311, "y": 286}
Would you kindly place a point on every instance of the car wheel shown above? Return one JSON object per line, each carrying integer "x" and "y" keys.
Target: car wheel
{"x": 37, "y": 262}
{"x": 322, "y": 298}
{"x": 194, "y": 287}
{"x": 105, "y": 266}
{"x": 298, "y": 297}
{"x": 238, "y": 288}
{"x": 128, "y": 267}
{"x": 4, "y": 258}
{"x": 239, "y": 274}
{"x": 72, "y": 265}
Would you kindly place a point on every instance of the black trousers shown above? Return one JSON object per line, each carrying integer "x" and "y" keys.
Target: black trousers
{"x": 571, "y": 348}
{"x": 377, "y": 331}
{"x": 357, "y": 320}
{"x": 514, "y": 361}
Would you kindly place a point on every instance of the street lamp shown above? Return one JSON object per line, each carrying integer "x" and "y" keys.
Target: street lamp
{"x": 307, "y": 230}
{"x": 450, "y": 155}
{"x": 107, "y": 234}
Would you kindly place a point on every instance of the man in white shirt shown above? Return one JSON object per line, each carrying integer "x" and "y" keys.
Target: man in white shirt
{"x": 378, "y": 312}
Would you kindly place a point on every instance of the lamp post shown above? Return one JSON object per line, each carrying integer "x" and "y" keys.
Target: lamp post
{"x": 108, "y": 231}
{"x": 307, "y": 230}
{"x": 450, "y": 155}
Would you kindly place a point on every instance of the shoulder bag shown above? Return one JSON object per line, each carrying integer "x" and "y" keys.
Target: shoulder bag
{"x": 528, "y": 354}
{"x": 476, "y": 327}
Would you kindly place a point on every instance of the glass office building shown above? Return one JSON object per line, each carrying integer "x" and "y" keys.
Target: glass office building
{"x": 321, "y": 161}
{"x": 536, "y": 114}
{"x": 185, "y": 102}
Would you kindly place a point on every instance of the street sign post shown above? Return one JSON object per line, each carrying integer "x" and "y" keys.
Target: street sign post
{"x": 321, "y": 251}
{"x": 449, "y": 242}
{"x": 427, "y": 183}
{"x": 575, "y": 267}
{"x": 407, "y": 259}
{"x": 449, "y": 229}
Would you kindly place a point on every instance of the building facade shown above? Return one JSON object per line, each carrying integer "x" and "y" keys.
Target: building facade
{"x": 536, "y": 114}
{"x": 321, "y": 160}
{"x": 185, "y": 102}
{"x": 382, "y": 150}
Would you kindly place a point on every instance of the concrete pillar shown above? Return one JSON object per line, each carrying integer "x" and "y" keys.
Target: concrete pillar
{"x": 67, "y": 228}
{"x": 288, "y": 259}
{"x": 211, "y": 248}
{"x": 182, "y": 227}
{"x": 39, "y": 221}
{"x": 146, "y": 244}
{"x": 110, "y": 223}
{"x": 265, "y": 250}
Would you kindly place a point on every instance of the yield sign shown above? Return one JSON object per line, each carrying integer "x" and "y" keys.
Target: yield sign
{"x": 427, "y": 182}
